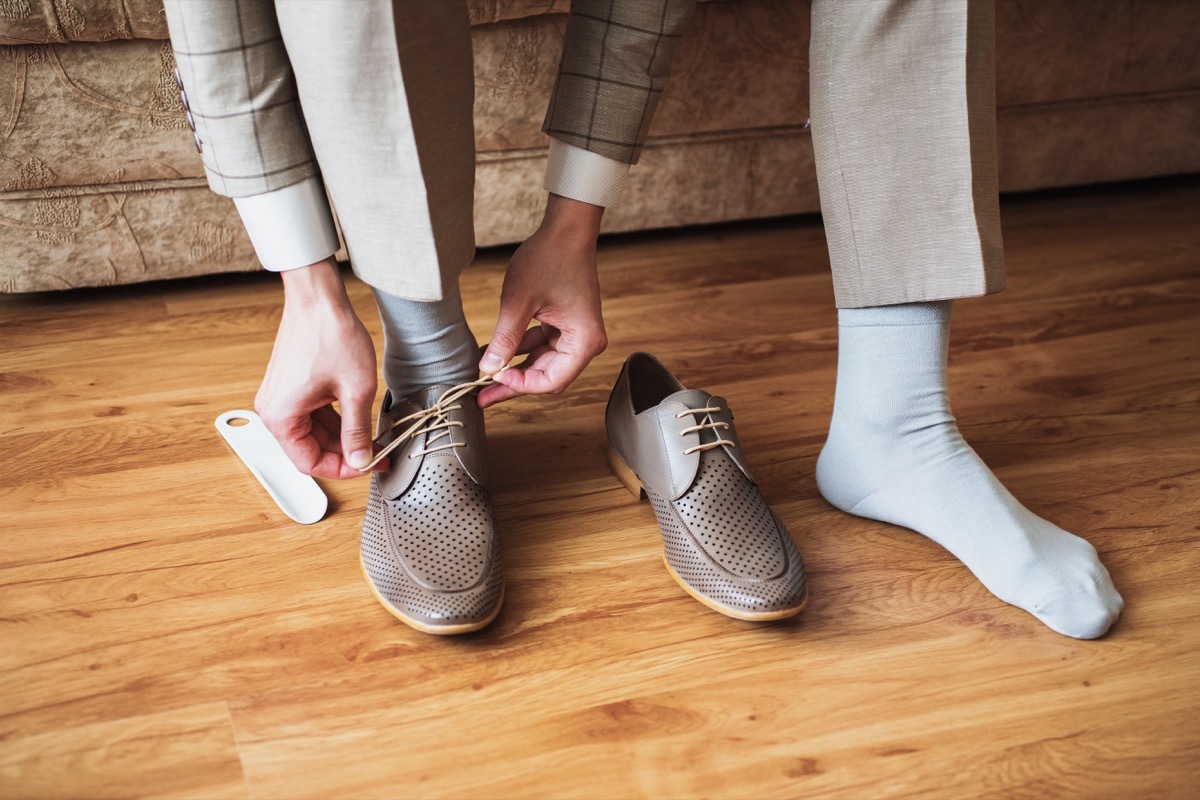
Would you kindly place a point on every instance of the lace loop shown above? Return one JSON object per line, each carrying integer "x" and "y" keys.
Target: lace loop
{"x": 427, "y": 420}
{"x": 704, "y": 426}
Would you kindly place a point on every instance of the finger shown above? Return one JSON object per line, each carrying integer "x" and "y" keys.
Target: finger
{"x": 575, "y": 350}
{"x": 496, "y": 393}
{"x": 332, "y": 465}
{"x": 327, "y": 429}
{"x": 357, "y": 446}
{"x": 532, "y": 339}
{"x": 556, "y": 367}
{"x": 326, "y": 432}
{"x": 293, "y": 433}
{"x": 510, "y": 331}
{"x": 531, "y": 374}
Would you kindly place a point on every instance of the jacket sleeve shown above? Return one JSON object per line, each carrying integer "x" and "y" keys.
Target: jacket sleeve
{"x": 615, "y": 63}
{"x": 236, "y": 84}
{"x": 238, "y": 90}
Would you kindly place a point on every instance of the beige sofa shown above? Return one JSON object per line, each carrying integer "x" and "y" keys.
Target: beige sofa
{"x": 100, "y": 183}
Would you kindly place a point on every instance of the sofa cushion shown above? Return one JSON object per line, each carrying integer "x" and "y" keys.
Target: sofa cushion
{"x": 56, "y": 21}
{"x": 85, "y": 113}
{"x": 1079, "y": 50}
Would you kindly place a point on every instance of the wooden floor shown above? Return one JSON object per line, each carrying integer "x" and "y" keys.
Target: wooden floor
{"x": 166, "y": 631}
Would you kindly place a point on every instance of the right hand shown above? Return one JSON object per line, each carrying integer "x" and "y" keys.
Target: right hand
{"x": 552, "y": 279}
{"x": 322, "y": 355}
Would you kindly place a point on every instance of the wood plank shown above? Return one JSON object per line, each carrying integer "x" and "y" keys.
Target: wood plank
{"x": 187, "y": 752}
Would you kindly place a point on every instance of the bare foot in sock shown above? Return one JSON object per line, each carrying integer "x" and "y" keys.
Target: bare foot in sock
{"x": 894, "y": 454}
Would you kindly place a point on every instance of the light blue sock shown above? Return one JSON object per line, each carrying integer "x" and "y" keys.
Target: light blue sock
{"x": 894, "y": 454}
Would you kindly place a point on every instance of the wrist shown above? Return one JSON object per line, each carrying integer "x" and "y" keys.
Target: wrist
{"x": 316, "y": 285}
{"x": 575, "y": 218}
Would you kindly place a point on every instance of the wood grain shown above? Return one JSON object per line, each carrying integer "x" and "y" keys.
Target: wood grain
{"x": 166, "y": 631}
{"x": 184, "y": 752}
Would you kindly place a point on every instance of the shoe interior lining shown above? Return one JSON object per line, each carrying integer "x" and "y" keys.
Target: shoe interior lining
{"x": 649, "y": 382}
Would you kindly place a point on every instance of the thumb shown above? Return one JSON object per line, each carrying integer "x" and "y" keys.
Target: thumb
{"x": 510, "y": 329}
{"x": 357, "y": 446}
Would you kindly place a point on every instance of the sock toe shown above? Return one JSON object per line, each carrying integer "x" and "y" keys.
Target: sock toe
{"x": 1085, "y": 614}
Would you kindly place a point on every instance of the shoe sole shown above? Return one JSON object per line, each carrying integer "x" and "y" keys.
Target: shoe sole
{"x": 424, "y": 627}
{"x": 631, "y": 482}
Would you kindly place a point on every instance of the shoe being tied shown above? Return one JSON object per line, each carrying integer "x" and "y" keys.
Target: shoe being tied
{"x": 721, "y": 541}
{"x": 429, "y": 549}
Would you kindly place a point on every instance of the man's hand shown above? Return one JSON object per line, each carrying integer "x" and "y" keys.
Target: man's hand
{"x": 322, "y": 354}
{"x": 551, "y": 279}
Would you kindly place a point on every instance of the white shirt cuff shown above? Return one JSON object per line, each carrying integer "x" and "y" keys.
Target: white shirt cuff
{"x": 290, "y": 227}
{"x": 583, "y": 175}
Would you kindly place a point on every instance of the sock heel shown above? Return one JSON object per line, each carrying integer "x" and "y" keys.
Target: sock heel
{"x": 838, "y": 480}
{"x": 625, "y": 475}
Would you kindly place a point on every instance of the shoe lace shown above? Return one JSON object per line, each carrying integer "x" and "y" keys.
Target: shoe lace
{"x": 428, "y": 420}
{"x": 704, "y": 426}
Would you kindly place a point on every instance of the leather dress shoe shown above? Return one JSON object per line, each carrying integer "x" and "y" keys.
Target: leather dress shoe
{"x": 429, "y": 549}
{"x": 721, "y": 541}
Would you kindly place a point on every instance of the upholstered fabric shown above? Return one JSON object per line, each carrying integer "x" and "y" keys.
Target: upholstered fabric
{"x": 55, "y": 21}
{"x": 44, "y": 21}
{"x": 100, "y": 181}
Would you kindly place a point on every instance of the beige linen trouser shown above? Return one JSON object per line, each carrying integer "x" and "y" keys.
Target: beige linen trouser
{"x": 376, "y": 93}
{"x": 903, "y": 108}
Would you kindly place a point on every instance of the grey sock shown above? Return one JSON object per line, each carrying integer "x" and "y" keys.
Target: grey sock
{"x": 426, "y": 343}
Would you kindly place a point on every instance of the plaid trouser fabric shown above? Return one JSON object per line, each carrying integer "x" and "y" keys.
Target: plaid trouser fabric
{"x": 615, "y": 64}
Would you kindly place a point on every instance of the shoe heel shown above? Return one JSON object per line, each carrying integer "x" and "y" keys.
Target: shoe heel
{"x": 625, "y": 474}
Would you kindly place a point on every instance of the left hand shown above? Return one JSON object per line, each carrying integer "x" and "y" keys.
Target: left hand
{"x": 552, "y": 279}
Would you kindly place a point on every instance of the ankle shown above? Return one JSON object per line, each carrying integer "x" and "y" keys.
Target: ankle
{"x": 426, "y": 343}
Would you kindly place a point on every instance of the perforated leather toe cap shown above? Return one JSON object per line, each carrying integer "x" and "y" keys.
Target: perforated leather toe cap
{"x": 727, "y": 547}
{"x": 431, "y": 554}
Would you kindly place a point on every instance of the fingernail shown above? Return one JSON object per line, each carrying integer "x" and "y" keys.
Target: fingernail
{"x": 360, "y": 458}
{"x": 491, "y": 363}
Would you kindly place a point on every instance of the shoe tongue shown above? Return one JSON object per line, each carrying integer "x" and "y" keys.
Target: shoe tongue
{"x": 692, "y": 398}
{"x": 427, "y": 396}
